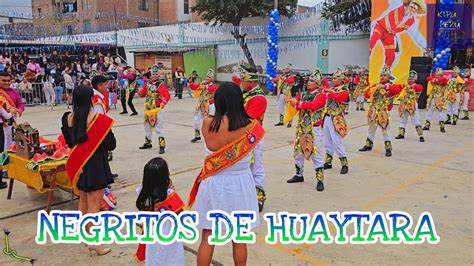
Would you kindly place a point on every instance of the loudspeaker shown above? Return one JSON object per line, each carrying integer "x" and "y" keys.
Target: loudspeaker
{"x": 423, "y": 97}
{"x": 421, "y": 68}
{"x": 422, "y": 77}
{"x": 421, "y": 60}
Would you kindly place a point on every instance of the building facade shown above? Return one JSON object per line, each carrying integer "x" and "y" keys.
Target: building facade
{"x": 58, "y": 17}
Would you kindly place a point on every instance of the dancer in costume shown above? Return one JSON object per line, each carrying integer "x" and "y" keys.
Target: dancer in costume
{"x": 380, "y": 98}
{"x": 453, "y": 89}
{"x": 156, "y": 97}
{"x": 465, "y": 93}
{"x": 284, "y": 84}
{"x": 409, "y": 106}
{"x": 129, "y": 90}
{"x": 255, "y": 105}
{"x": 436, "y": 99}
{"x": 205, "y": 105}
{"x": 308, "y": 141}
{"x": 157, "y": 194}
{"x": 225, "y": 182}
{"x": 334, "y": 124}
{"x": 362, "y": 82}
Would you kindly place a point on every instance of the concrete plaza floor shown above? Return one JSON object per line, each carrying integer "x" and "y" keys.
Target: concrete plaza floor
{"x": 435, "y": 176}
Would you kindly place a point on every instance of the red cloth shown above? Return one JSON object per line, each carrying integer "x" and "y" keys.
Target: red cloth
{"x": 392, "y": 90}
{"x": 437, "y": 80}
{"x": 339, "y": 97}
{"x": 105, "y": 101}
{"x": 256, "y": 107}
{"x": 317, "y": 103}
{"x": 236, "y": 80}
{"x": 357, "y": 80}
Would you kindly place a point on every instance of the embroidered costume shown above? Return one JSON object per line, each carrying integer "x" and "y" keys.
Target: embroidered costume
{"x": 453, "y": 97}
{"x": 464, "y": 102}
{"x": 380, "y": 98}
{"x": 308, "y": 139}
{"x": 255, "y": 105}
{"x": 156, "y": 97}
{"x": 205, "y": 105}
{"x": 436, "y": 99}
{"x": 334, "y": 124}
{"x": 362, "y": 82}
{"x": 284, "y": 84}
{"x": 409, "y": 106}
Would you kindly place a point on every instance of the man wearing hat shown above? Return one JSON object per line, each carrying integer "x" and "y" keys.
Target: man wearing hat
{"x": 334, "y": 123}
{"x": 453, "y": 97}
{"x": 465, "y": 93}
{"x": 436, "y": 99}
{"x": 255, "y": 105}
{"x": 308, "y": 140}
{"x": 361, "y": 81}
{"x": 205, "y": 106}
{"x": 380, "y": 98}
{"x": 409, "y": 106}
{"x": 156, "y": 97}
{"x": 284, "y": 84}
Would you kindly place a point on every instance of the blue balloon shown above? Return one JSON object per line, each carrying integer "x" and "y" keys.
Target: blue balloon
{"x": 436, "y": 64}
{"x": 444, "y": 66}
{"x": 141, "y": 82}
{"x": 122, "y": 82}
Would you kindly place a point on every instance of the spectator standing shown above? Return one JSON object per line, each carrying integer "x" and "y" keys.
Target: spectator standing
{"x": 69, "y": 84}
{"x": 21, "y": 67}
{"x": 55, "y": 57}
{"x": 178, "y": 82}
{"x": 26, "y": 90}
{"x": 67, "y": 59}
{"x": 86, "y": 67}
{"x": 43, "y": 60}
{"x": 25, "y": 57}
{"x": 48, "y": 89}
{"x": 58, "y": 85}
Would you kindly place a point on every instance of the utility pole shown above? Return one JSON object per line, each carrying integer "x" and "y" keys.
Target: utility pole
{"x": 276, "y": 4}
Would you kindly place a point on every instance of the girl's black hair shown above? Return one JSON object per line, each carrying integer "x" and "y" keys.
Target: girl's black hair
{"x": 229, "y": 101}
{"x": 155, "y": 184}
{"x": 82, "y": 104}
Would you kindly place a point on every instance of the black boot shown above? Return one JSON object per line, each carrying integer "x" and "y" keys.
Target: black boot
{"x": 298, "y": 177}
{"x": 419, "y": 130}
{"x": 3, "y": 184}
{"x": 289, "y": 125}
{"x": 441, "y": 127}
{"x": 455, "y": 119}
{"x": 162, "y": 144}
{"x": 110, "y": 156}
{"x": 362, "y": 107}
{"x": 427, "y": 125}
{"x": 368, "y": 145}
{"x": 261, "y": 197}
{"x": 280, "y": 122}
{"x": 401, "y": 133}
{"x": 448, "y": 120}
{"x": 345, "y": 165}
{"x": 146, "y": 145}
{"x": 197, "y": 136}
{"x": 328, "y": 161}
{"x": 466, "y": 115}
{"x": 388, "y": 148}
{"x": 320, "y": 178}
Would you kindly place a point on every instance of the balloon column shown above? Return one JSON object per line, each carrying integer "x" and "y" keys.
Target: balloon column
{"x": 441, "y": 59}
{"x": 443, "y": 38}
{"x": 272, "y": 54}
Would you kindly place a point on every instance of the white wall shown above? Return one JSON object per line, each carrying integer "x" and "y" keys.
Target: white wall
{"x": 348, "y": 52}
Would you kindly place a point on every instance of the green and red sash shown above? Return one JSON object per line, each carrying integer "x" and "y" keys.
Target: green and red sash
{"x": 80, "y": 154}
{"x": 227, "y": 156}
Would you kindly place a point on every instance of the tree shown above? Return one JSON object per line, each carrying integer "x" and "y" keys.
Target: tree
{"x": 352, "y": 13}
{"x": 217, "y": 12}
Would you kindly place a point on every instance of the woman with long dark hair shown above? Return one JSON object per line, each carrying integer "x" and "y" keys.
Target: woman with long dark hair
{"x": 91, "y": 137}
{"x": 226, "y": 182}
{"x": 157, "y": 194}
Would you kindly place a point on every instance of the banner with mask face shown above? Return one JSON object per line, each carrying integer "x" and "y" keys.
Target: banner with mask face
{"x": 398, "y": 32}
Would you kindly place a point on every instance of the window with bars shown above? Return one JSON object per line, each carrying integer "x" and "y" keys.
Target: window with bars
{"x": 186, "y": 7}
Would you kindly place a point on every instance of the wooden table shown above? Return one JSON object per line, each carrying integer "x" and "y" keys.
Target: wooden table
{"x": 52, "y": 173}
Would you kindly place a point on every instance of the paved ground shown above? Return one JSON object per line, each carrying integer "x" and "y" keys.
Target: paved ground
{"x": 435, "y": 176}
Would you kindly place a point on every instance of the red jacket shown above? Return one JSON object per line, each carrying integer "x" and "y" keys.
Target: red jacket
{"x": 339, "y": 97}
{"x": 105, "y": 101}
{"x": 437, "y": 80}
{"x": 317, "y": 103}
{"x": 210, "y": 88}
{"x": 392, "y": 21}
{"x": 162, "y": 90}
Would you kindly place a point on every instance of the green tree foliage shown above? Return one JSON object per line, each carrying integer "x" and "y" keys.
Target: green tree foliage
{"x": 217, "y": 12}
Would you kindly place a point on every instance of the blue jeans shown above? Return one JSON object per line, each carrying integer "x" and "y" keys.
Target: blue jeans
{"x": 58, "y": 93}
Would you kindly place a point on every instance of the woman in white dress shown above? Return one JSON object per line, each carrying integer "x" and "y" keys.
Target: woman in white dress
{"x": 232, "y": 188}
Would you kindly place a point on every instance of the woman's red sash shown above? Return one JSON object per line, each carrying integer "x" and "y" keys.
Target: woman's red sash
{"x": 80, "y": 154}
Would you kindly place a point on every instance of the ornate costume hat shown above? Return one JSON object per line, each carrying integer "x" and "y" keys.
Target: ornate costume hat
{"x": 155, "y": 69}
{"x": 387, "y": 72}
{"x": 439, "y": 71}
{"x": 456, "y": 70}
{"x": 289, "y": 67}
{"x": 210, "y": 73}
{"x": 364, "y": 72}
{"x": 413, "y": 75}
{"x": 467, "y": 72}
{"x": 247, "y": 74}
{"x": 316, "y": 76}
{"x": 339, "y": 74}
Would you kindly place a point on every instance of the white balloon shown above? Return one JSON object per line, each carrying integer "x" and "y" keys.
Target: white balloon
{"x": 443, "y": 52}
{"x": 448, "y": 50}
{"x": 435, "y": 59}
{"x": 439, "y": 56}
